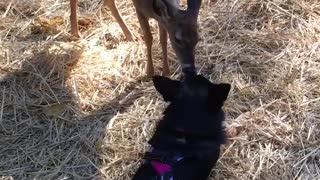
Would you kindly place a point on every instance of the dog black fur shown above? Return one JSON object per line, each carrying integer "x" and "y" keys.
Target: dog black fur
{"x": 190, "y": 129}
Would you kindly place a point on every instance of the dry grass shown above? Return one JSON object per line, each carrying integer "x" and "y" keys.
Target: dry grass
{"x": 77, "y": 110}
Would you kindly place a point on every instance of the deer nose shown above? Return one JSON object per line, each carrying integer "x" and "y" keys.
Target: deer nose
{"x": 188, "y": 69}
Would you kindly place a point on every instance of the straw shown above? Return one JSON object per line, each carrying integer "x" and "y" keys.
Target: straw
{"x": 82, "y": 109}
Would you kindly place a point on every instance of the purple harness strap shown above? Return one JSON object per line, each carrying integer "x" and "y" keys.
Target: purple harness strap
{"x": 162, "y": 162}
{"x": 163, "y": 168}
{"x": 160, "y": 167}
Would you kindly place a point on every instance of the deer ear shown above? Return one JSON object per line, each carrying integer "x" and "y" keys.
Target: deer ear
{"x": 193, "y": 9}
{"x": 168, "y": 88}
{"x": 165, "y": 8}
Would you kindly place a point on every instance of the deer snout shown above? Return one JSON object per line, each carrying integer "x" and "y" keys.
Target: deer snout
{"x": 188, "y": 69}
{"x": 187, "y": 62}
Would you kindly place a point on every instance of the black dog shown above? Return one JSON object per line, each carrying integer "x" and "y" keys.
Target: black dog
{"x": 186, "y": 143}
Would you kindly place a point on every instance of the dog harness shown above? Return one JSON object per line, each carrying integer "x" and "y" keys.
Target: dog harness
{"x": 163, "y": 163}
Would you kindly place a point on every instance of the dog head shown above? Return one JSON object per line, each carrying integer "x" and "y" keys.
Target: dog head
{"x": 195, "y": 104}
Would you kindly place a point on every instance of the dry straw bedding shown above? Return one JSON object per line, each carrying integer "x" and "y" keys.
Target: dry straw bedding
{"x": 78, "y": 109}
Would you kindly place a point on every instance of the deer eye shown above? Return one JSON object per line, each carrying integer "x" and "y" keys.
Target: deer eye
{"x": 179, "y": 41}
{"x": 178, "y": 37}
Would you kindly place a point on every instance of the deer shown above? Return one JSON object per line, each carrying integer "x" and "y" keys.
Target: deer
{"x": 180, "y": 25}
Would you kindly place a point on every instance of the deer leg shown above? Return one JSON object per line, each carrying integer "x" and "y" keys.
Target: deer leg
{"x": 114, "y": 10}
{"x": 73, "y": 18}
{"x": 163, "y": 41}
{"x": 143, "y": 20}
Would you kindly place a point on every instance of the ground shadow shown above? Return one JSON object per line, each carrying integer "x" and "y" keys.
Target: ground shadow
{"x": 43, "y": 133}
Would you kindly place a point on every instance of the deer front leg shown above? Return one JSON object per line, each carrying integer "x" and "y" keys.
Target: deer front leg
{"x": 163, "y": 41}
{"x": 143, "y": 20}
{"x": 74, "y": 19}
{"x": 114, "y": 10}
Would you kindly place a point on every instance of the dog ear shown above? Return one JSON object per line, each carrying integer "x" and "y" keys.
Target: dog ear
{"x": 223, "y": 91}
{"x": 219, "y": 93}
{"x": 168, "y": 88}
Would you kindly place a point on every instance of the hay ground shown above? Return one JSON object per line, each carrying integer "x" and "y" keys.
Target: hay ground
{"x": 77, "y": 109}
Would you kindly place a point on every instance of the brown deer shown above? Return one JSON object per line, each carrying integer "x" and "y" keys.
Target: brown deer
{"x": 181, "y": 25}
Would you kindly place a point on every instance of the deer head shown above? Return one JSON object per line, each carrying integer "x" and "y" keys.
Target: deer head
{"x": 182, "y": 28}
